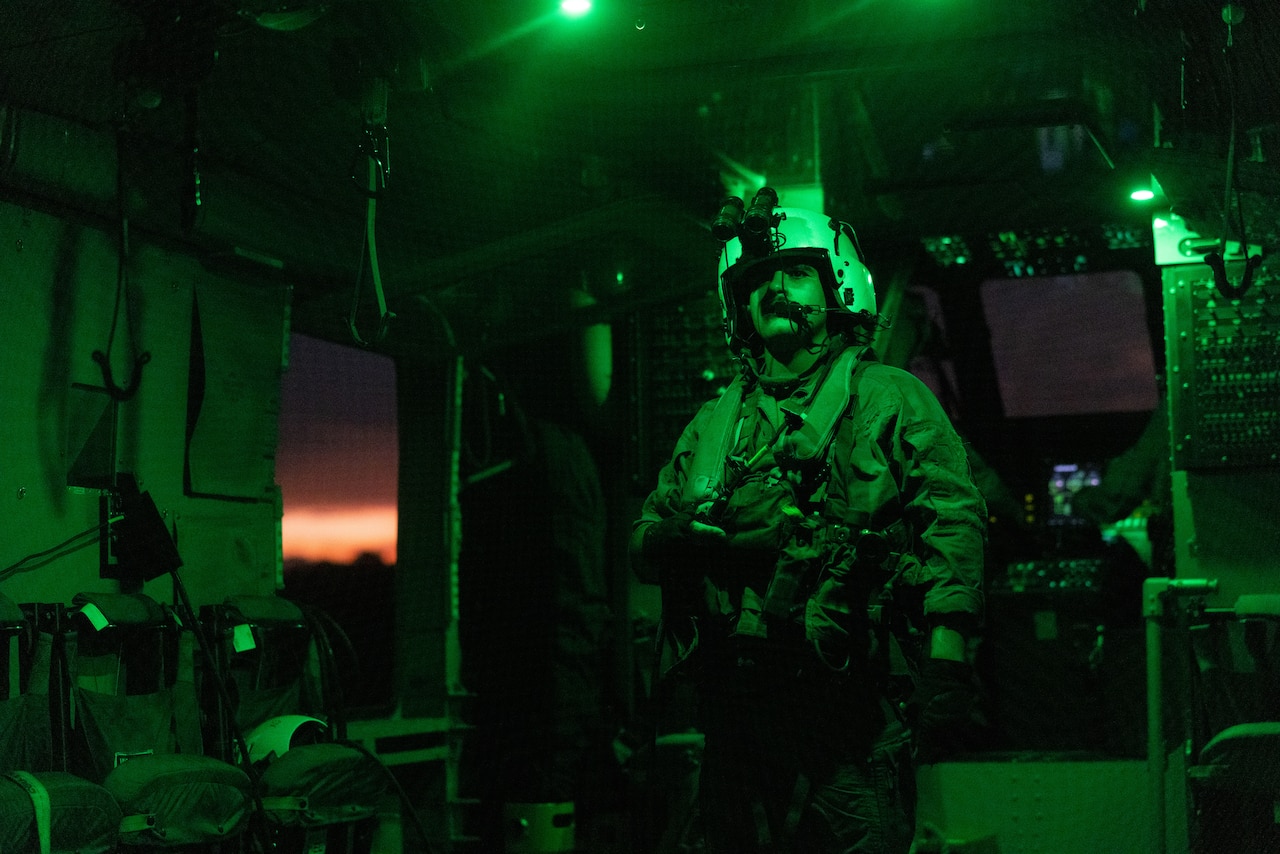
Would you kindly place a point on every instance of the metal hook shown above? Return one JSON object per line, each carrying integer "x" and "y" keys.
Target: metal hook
{"x": 135, "y": 376}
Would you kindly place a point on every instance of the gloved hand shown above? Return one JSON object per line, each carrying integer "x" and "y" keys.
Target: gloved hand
{"x": 670, "y": 547}
{"x": 676, "y": 534}
{"x": 941, "y": 708}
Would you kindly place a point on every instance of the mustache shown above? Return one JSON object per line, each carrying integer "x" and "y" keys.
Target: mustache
{"x": 780, "y": 306}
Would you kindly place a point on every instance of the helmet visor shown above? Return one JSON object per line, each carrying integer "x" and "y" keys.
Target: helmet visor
{"x": 749, "y": 273}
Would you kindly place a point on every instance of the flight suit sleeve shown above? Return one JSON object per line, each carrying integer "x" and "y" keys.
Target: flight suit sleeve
{"x": 665, "y": 499}
{"x": 944, "y": 508}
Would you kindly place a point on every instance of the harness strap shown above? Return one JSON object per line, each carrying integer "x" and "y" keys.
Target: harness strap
{"x": 808, "y": 433}
{"x": 706, "y": 470}
{"x": 818, "y": 419}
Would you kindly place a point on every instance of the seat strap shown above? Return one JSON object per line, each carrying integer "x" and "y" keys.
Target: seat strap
{"x": 14, "y": 687}
{"x": 186, "y": 711}
{"x": 285, "y": 803}
{"x": 40, "y": 803}
{"x": 137, "y": 823}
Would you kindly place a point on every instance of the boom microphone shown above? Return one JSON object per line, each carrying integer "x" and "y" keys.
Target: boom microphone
{"x": 796, "y": 310}
{"x": 793, "y": 311}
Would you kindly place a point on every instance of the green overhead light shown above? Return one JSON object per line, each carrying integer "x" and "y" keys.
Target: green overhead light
{"x": 575, "y": 8}
{"x": 1146, "y": 189}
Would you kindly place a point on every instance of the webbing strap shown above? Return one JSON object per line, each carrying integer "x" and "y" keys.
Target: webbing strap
{"x": 41, "y": 664}
{"x": 15, "y": 673}
{"x": 186, "y": 711}
{"x": 818, "y": 419}
{"x": 282, "y": 803}
{"x": 137, "y": 823}
{"x": 764, "y": 839}
{"x": 799, "y": 801}
{"x": 40, "y": 803}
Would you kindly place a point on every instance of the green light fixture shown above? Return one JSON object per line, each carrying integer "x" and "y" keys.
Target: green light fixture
{"x": 575, "y": 8}
{"x": 1146, "y": 190}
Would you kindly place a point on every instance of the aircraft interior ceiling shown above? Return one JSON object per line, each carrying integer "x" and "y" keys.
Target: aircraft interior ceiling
{"x": 519, "y": 149}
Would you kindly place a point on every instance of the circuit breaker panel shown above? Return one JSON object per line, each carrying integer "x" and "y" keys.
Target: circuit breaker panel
{"x": 1223, "y": 366}
{"x": 680, "y": 362}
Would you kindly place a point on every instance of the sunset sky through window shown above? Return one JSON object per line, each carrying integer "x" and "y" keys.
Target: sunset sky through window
{"x": 337, "y": 457}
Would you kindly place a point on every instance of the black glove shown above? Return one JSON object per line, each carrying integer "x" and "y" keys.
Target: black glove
{"x": 675, "y": 547}
{"x": 666, "y": 539}
{"x": 941, "y": 708}
{"x": 678, "y": 534}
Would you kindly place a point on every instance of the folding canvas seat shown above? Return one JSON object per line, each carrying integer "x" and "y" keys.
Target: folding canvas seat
{"x": 1233, "y": 773}
{"x": 135, "y": 727}
{"x": 43, "y": 808}
{"x": 319, "y": 794}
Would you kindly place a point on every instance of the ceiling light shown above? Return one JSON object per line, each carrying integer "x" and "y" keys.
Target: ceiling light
{"x": 575, "y": 8}
{"x": 1145, "y": 189}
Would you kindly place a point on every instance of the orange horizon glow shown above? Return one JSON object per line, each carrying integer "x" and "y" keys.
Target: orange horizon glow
{"x": 339, "y": 535}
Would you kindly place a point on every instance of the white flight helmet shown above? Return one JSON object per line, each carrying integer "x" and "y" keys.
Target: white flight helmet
{"x": 788, "y": 236}
{"x": 275, "y": 736}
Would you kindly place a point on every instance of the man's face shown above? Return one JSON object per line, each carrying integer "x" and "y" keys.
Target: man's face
{"x": 788, "y": 307}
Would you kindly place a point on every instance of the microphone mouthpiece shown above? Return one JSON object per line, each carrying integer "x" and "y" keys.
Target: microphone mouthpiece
{"x": 798, "y": 312}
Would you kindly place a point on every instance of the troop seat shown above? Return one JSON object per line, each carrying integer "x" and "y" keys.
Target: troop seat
{"x": 317, "y": 793}
{"x": 137, "y": 726}
{"x": 42, "y": 808}
{"x": 1233, "y": 776}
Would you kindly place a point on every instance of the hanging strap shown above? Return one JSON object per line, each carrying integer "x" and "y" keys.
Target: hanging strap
{"x": 40, "y": 803}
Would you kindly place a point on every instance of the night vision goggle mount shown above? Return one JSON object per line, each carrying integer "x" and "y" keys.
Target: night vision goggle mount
{"x": 753, "y": 226}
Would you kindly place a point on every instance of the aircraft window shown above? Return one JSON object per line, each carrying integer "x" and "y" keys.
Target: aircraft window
{"x": 337, "y": 467}
{"x": 1071, "y": 345}
{"x": 337, "y": 457}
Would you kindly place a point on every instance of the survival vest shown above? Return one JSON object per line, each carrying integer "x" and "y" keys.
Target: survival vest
{"x": 829, "y": 580}
{"x": 807, "y": 434}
